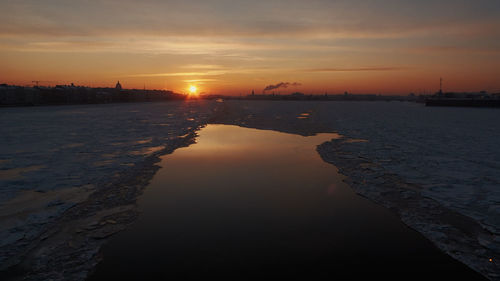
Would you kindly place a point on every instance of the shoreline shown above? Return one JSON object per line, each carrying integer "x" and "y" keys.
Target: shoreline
{"x": 60, "y": 239}
{"x": 461, "y": 237}
{"x": 455, "y": 234}
{"x": 73, "y": 241}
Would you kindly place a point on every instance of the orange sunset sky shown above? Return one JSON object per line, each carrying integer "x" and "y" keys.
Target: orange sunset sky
{"x": 236, "y": 46}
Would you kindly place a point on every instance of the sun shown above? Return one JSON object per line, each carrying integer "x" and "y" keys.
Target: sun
{"x": 192, "y": 89}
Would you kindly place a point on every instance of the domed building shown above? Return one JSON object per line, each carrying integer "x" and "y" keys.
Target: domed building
{"x": 118, "y": 86}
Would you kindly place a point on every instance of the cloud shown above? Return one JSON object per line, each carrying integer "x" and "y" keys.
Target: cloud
{"x": 240, "y": 18}
{"x": 356, "y": 69}
{"x": 203, "y": 66}
{"x": 281, "y": 85}
{"x": 488, "y": 50}
{"x": 174, "y": 74}
{"x": 200, "y": 81}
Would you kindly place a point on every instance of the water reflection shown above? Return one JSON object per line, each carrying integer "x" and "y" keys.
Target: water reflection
{"x": 354, "y": 140}
{"x": 144, "y": 141}
{"x": 148, "y": 150}
{"x": 261, "y": 205}
{"x": 304, "y": 115}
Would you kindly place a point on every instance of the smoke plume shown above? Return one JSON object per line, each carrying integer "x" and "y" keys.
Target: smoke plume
{"x": 280, "y": 85}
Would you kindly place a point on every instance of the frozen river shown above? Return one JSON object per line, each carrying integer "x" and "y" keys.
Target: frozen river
{"x": 70, "y": 175}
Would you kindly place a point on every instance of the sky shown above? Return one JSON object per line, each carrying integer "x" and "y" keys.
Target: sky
{"x": 236, "y": 46}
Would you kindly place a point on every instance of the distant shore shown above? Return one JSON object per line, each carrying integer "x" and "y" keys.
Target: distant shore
{"x": 12, "y": 96}
{"x": 15, "y": 96}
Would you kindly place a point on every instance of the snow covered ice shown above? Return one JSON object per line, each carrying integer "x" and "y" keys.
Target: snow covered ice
{"x": 52, "y": 158}
{"x": 443, "y": 163}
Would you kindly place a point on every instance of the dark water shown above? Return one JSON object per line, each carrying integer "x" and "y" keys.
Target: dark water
{"x": 246, "y": 204}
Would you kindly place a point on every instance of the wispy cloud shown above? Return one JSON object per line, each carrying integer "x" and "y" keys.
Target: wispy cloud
{"x": 179, "y": 74}
{"x": 357, "y": 69}
{"x": 488, "y": 50}
{"x": 203, "y": 66}
{"x": 200, "y": 80}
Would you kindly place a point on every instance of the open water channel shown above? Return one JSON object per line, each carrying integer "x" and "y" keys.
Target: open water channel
{"x": 246, "y": 204}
